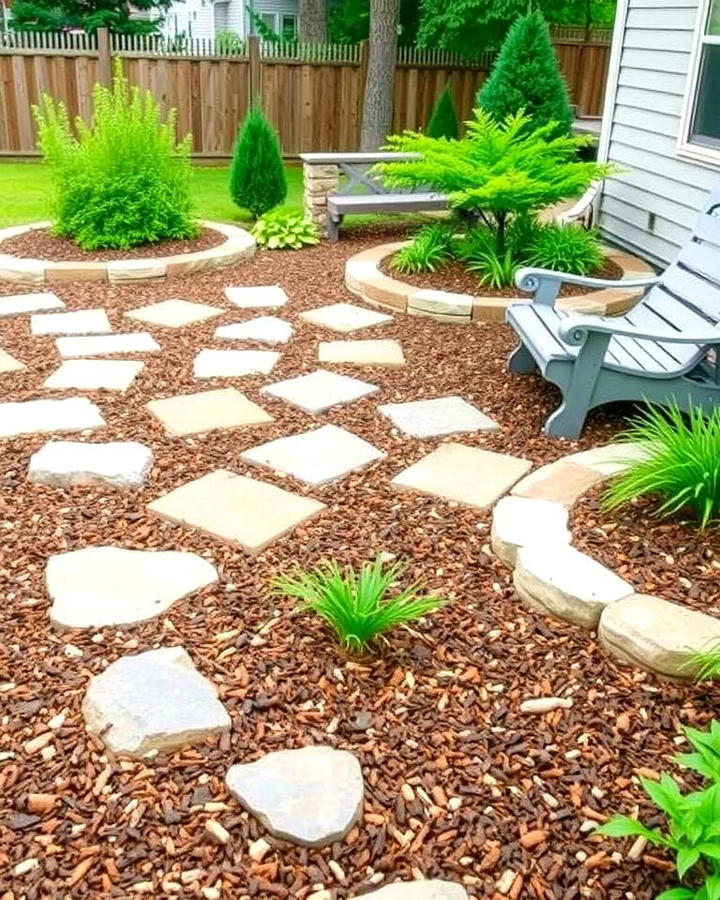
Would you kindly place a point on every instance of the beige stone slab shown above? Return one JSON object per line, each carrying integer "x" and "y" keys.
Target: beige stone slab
{"x": 207, "y": 411}
{"x": 79, "y": 321}
{"x": 236, "y": 509}
{"x": 94, "y": 375}
{"x": 22, "y": 271}
{"x": 174, "y": 313}
{"x": 437, "y": 417}
{"x": 18, "y": 304}
{"x": 257, "y": 296}
{"x": 9, "y": 363}
{"x": 46, "y": 416}
{"x": 611, "y": 459}
{"x": 362, "y": 353}
{"x": 318, "y": 391}
{"x": 136, "y": 270}
{"x": 563, "y": 481}
{"x": 466, "y": 475}
{"x": 445, "y": 303}
{"x": 345, "y": 317}
{"x": 234, "y": 363}
{"x": 107, "y": 344}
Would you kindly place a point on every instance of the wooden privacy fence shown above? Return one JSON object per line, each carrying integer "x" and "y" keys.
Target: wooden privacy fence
{"x": 312, "y": 93}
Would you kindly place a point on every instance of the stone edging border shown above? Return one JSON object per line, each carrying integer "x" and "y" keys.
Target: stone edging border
{"x": 239, "y": 246}
{"x": 363, "y": 277}
{"x": 530, "y": 535}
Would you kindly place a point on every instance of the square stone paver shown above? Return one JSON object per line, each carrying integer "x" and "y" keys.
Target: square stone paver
{"x": 345, "y": 317}
{"x": 257, "y": 296}
{"x": 315, "y": 457}
{"x": 46, "y": 416}
{"x": 94, "y": 375}
{"x": 265, "y": 329}
{"x": 207, "y": 411}
{"x": 467, "y": 475}
{"x": 234, "y": 363}
{"x": 17, "y": 304}
{"x": 362, "y": 353}
{"x": 319, "y": 390}
{"x": 174, "y": 313}
{"x": 9, "y": 363}
{"x": 107, "y": 344}
{"x": 236, "y": 509}
{"x": 437, "y": 417}
{"x": 80, "y": 321}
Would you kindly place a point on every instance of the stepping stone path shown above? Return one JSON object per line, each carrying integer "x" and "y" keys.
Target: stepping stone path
{"x": 174, "y": 313}
{"x": 17, "y": 304}
{"x": 106, "y": 344}
{"x": 9, "y": 363}
{"x": 103, "y": 586}
{"x": 234, "y": 363}
{"x": 153, "y": 701}
{"x": 463, "y": 474}
{"x": 345, "y": 317}
{"x": 315, "y": 457}
{"x": 362, "y": 353}
{"x": 207, "y": 411}
{"x": 94, "y": 375}
{"x": 522, "y": 522}
{"x": 265, "y": 329}
{"x": 236, "y": 509}
{"x": 312, "y": 796}
{"x": 438, "y": 417}
{"x": 257, "y": 297}
{"x": 419, "y": 890}
{"x": 81, "y": 321}
{"x": 121, "y": 464}
{"x": 563, "y": 481}
{"x": 46, "y": 416}
{"x": 320, "y": 390}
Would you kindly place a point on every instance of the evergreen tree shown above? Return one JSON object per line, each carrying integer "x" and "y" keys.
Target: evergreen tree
{"x": 526, "y": 76}
{"x": 257, "y": 176}
{"x": 54, "y": 15}
{"x": 444, "y": 119}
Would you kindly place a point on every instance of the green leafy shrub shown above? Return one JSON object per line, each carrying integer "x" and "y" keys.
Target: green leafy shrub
{"x": 283, "y": 229}
{"x": 358, "y": 607}
{"x": 257, "y": 176}
{"x": 122, "y": 182}
{"x": 431, "y": 249}
{"x": 682, "y": 466}
{"x": 478, "y": 250}
{"x": 565, "y": 248}
{"x": 444, "y": 118}
{"x": 229, "y": 42}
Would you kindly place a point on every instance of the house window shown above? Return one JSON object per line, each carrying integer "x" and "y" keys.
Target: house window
{"x": 270, "y": 20}
{"x": 700, "y": 135}
{"x": 288, "y": 31}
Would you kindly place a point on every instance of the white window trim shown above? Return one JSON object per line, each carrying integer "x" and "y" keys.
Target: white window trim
{"x": 685, "y": 147}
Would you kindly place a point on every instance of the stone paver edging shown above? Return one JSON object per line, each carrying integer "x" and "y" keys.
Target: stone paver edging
{"x": 364, "y": 278}
{"x": 239, "y": 246}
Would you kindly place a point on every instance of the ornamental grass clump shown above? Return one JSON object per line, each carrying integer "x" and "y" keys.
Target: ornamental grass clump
{"x": 430, "y": 250}
{"x": 358, "y": 606}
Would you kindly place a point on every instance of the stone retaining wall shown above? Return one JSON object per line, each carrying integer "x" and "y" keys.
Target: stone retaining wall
{"x": 319, "y": 181}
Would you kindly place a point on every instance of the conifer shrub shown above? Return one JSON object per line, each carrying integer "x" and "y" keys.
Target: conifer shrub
{"x": 444, "y": 118}
{"x": 257, "y": 176}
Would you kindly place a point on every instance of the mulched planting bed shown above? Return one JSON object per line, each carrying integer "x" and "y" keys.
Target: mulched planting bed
{"x": 438, "y": 709}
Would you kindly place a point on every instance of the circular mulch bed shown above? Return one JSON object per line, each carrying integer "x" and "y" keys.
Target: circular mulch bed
{"x": 439, "y": 705}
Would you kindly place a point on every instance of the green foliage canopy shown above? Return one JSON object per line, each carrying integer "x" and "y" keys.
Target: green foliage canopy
{"x": 56, "y": 15}
{"x": 257, "y": 175}
{"x": 444, "y": 118}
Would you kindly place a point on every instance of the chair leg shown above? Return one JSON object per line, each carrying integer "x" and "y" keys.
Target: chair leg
{"x": 567, "y": 421}
{"x": 521, "y": 361}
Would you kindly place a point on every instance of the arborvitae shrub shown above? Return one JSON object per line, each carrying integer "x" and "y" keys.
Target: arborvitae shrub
{"x": 444, "y": 119}
{"x": 257, "y": 176}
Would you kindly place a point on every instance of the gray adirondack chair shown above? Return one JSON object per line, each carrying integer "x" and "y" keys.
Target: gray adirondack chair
{"x": 666, "y": 348}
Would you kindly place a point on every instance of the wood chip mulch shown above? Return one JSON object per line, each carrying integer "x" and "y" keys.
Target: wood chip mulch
{"x": 460, "y": 784}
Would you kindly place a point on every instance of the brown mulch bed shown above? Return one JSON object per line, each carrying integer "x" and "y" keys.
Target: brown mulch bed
{"x": 442, "y": 701}
{"x": 41, "y": 244}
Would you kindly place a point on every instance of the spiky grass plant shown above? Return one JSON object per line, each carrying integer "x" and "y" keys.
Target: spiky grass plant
{"x": 358, "y": 606}
{"x": 430, "y": 250}
{"x": 704, "y": 664}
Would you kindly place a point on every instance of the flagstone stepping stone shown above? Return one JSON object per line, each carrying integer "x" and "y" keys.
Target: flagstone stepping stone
{"x": 362, "y": 353}
{"x": 522, "y": 522}
{"x": 153, "y": 701}
{"x": 80, "y": 321}
{"x": 9, "y": 363}
{"x": 207, "y": 411}
{"x": 107, "y": 344}
{"x": 419, "y": 890}
{"x": 610, "y": 459}
{"x": 100, "y": 586}
{"x": 315, "y": 457}
{"x": 122, "y": 464}
{"x": 266, "y": 329}
{"x": 234, "y": 363}
{"x": 437, "y": 417}
{"x": 17, "y": 304}
{"x": 345, "y": 317}
{"x": 174, "y": 313}
{"x": 558, "y": 580}
{"x": 94, "y": 375}
{"x": 312, "y": 796}
{"x": 563, "y": 480}
{"x": 466, "y": 475}
{"x": 257, "y": 296}
{"x": 320, "y": 390}
{"x": 45, "y": 416}
{"x": 236, "y": 509}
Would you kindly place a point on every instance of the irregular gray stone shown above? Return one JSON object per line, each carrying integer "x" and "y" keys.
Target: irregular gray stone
{"x": 17, "y": 304}
{"x": 153, "y": 701}
{"x": 312, "y": 796}
{"x": 345, "y": 317}
{"x": 437, "y": 417}
{"x": 419, "y": 890}
{"x": 234, "y": 363}
{"x": 174, "y": 313}
{"x": 265, "y": 329}
{"x": 79, "y": 321}
{"x": 94, "y": 375}
{"x": 522, "y": 521}
{"x": 9, "y": 363}
{"x": 107, "y": 344}
{"x": 257, "y": 296}
{"x": 123, "y": 464}
{"x": 320, "y": 390}
{"x": 46, "y": 416}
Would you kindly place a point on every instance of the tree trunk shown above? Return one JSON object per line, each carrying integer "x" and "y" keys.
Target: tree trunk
{"x": 312, "y": 24}
{"x": 380, "y": 81}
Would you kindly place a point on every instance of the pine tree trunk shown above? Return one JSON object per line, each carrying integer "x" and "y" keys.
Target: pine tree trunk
{"x": 380, "y": 81}
{"x": 312, "y": 26}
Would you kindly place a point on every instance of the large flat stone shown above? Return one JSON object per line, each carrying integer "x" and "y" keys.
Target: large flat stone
{"x": 18, "y": 304}
{"x": 122, "y": 464}
{"x": 236, "y": 509}
{"x": 320, "y": 390}
{"x": 107, "y": 344}
{"x": 153, "y": 701}
{"x": 121, "y": 270}
{"x": 441, "y": 303}
{"x": 312, "y": 796}
{"x": 315, "y": 457}
{"x": 22, "y": 271}
{"x": 80, "y": 321}
{"x": 234, "y": 363}
{"x": 94, "y": 375}
{"x": 345, "y": 317}
{"x": 47, "y": 416}
{"x": 523, "y": 522}
{"x": 264, "y": 329}
{"x": 9, "y": 363}
{"x": 437, "y": 417}
{"x": 610, "y": 459}
{"x": 419, "y": 890}
{"x": 101, "y": 586}
{"x": 362, "y": 353}
{"x": 257, "y": 296}
{"x": 563, "y": 481}
{"x": 466, "y": 475}
{"x": 207, "y": 411}
{"x": 174, "y": 313}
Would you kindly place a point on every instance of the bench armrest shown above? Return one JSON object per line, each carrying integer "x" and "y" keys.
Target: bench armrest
{"x": 530, "y": 280}
{"x": 574, "y": 330}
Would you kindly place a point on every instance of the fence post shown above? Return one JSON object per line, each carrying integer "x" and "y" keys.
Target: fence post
{"x": 104, "y": 60}
{"x": 364, "y": 56}
{"x": 254, "y": 67}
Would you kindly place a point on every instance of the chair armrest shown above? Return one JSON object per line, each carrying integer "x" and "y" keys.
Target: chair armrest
{"x": 530, "y": 280}
{"x": 574, "y": 330}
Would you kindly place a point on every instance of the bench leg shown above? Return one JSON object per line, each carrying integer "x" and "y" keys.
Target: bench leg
{"x": 521, "y": 361}
{"x": 568, "y": 420}
{"x": 333, "y": 228}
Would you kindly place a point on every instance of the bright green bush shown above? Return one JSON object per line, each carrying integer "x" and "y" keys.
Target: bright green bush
{"x": 565, "y": 248}
{"x": 283, "y": 229}
{"x": 125, "y": 180}
{"x": 431, "y": 249}
{"x": 257, "y": 176}
{"x": 444, "y": 118}
{"x": 478, "y": 250}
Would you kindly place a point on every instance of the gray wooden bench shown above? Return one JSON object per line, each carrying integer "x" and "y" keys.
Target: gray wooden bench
{"x": 666, "y": 348}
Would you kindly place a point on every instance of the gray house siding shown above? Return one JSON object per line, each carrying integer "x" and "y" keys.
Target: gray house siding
{"x": 645, "y": 121}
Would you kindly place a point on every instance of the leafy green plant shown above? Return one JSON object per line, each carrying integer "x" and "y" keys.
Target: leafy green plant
{"x": 283, "y": 229}
{"x": 257, "y": 176}
{"x": 565, "y": 248}
{"x": 704, "y": 664}
{"x": 478, "y": 250}
{"x": 444, "y": 119}
{"x": 681, "y": 467}
{"x": 229, "y": 42}
{"x": 357, "y": 606}
{"x": 431, "y": 249}
{"x": 125, "y": 180}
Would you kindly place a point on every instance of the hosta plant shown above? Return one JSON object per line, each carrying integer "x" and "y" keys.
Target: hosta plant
{"x": 431, "y": 249}
{"x": 358, "y": 606}
{"x": 284, "y": 230}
